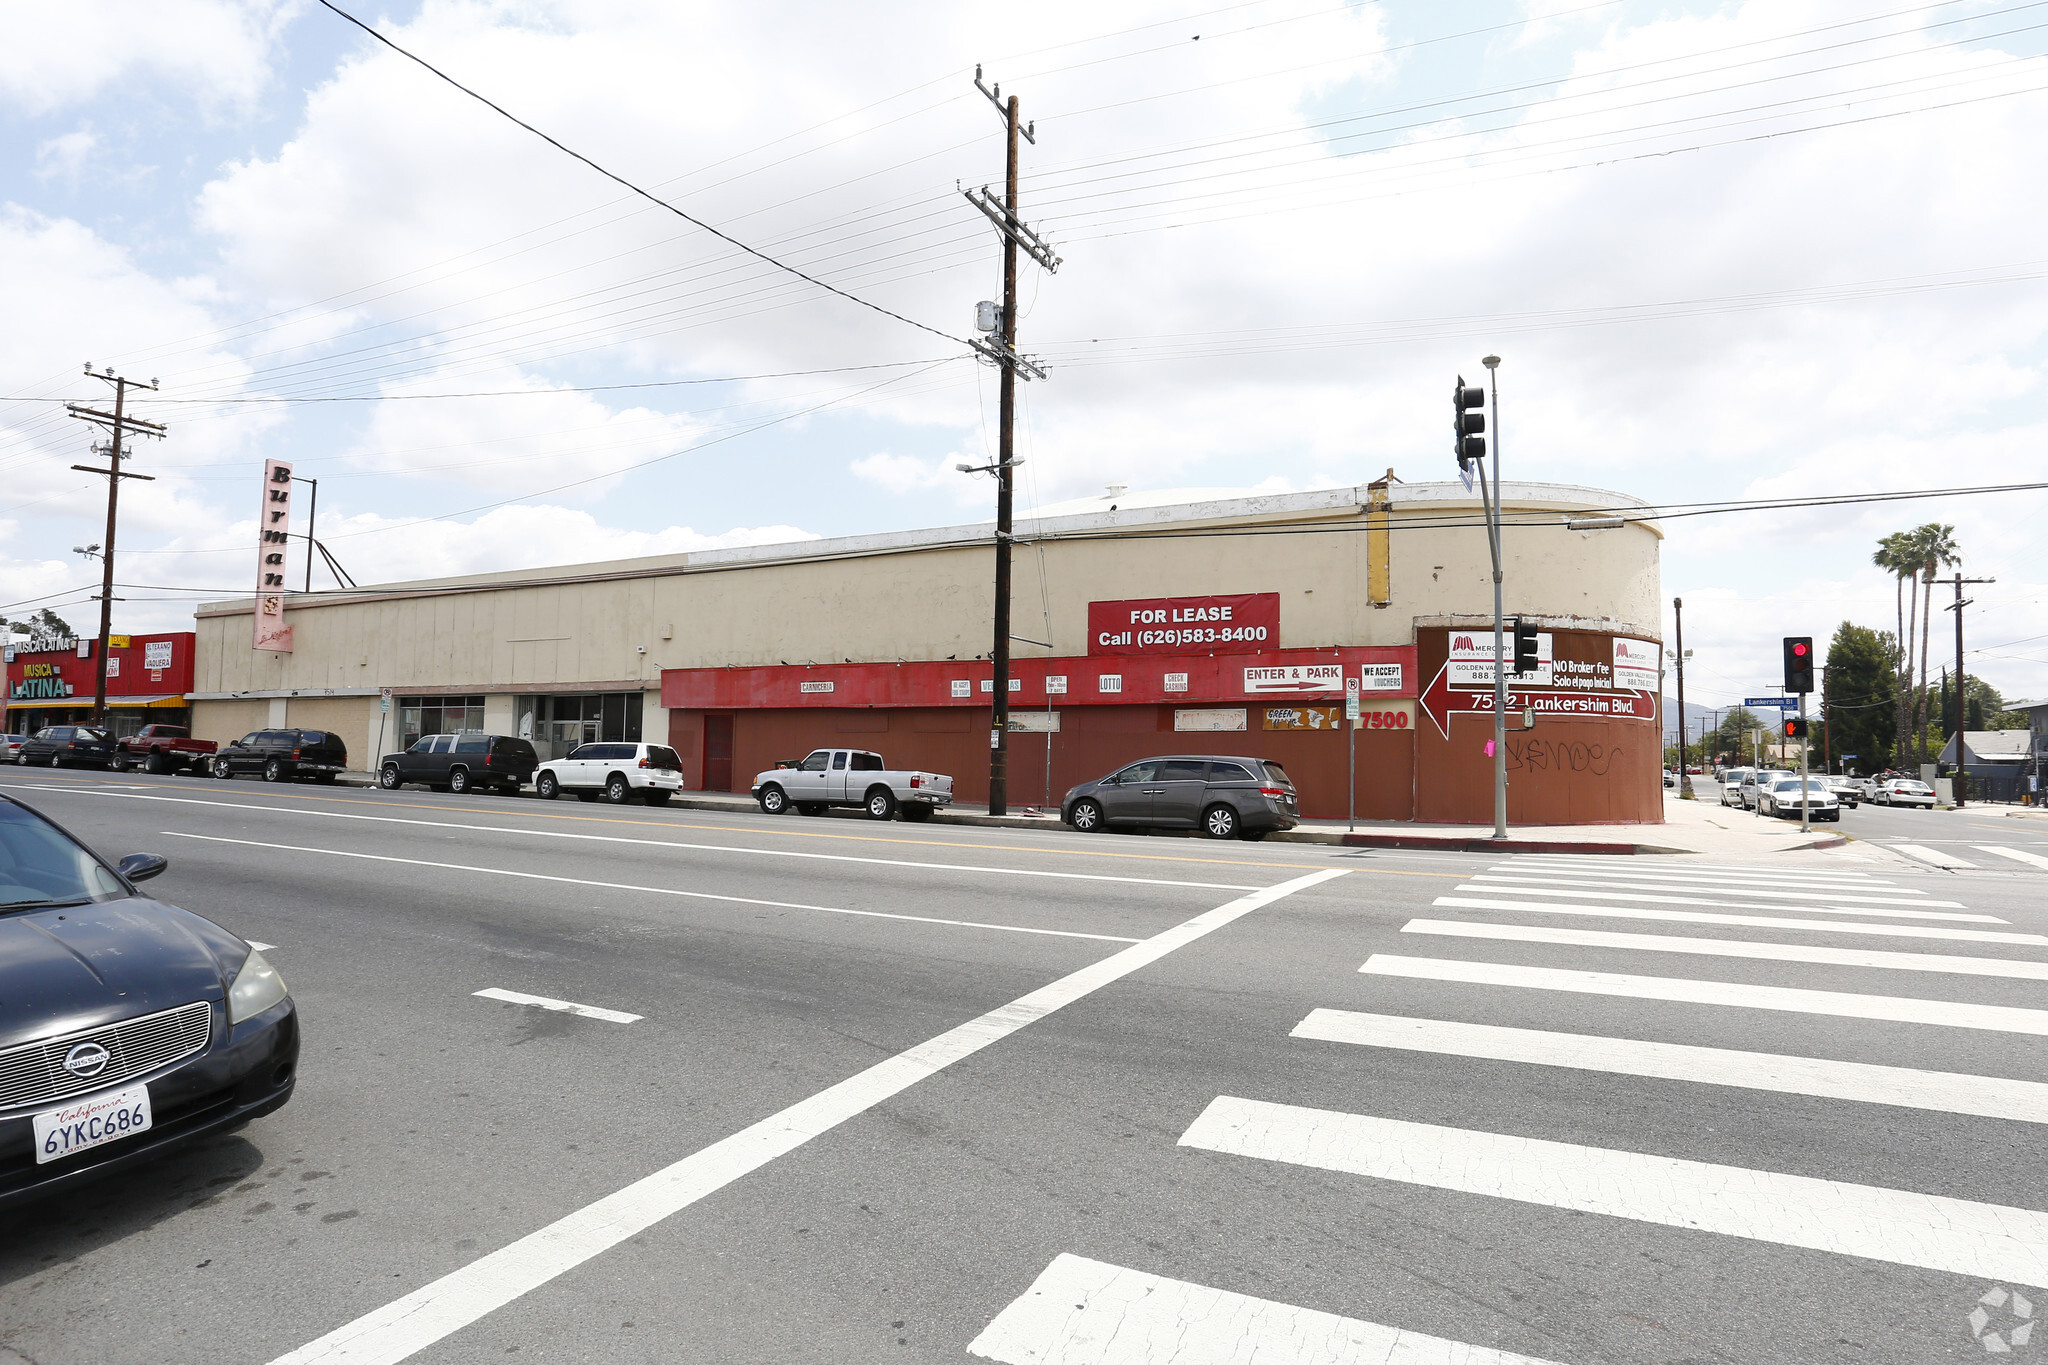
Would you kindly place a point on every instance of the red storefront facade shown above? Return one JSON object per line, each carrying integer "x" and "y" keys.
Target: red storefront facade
{"x": 1590, "y": 755}
{"x": 148, "y": 679}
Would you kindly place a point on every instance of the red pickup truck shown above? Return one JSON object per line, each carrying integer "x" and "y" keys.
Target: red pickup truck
{"x": 163, "y": 749}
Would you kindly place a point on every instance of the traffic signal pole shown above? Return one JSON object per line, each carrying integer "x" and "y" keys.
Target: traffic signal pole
{"x": 1805, "y": 748}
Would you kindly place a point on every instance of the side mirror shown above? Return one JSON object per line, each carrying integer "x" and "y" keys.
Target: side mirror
{"x": 140, "y": 867}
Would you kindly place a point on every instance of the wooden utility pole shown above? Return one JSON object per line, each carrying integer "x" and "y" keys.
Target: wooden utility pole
{"x": 1002, "y": 349}
{"x": 119, "y": 423}
{"x": 1962, "y": 776}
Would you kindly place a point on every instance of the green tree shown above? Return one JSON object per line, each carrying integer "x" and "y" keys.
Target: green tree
{"x": 1895, "y": 556}
{"x": 1934, "y": 547}
{"x": 1858, "y": 699}
{"x": 1732, "y": 738}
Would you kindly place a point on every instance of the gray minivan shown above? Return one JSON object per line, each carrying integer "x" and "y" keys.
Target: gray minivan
{"x": 1225, "y": 797}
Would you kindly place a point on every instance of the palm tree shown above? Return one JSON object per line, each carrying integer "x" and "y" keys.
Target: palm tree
{"x": 1895, "y": 556}
{"x": 1934, "y": 547}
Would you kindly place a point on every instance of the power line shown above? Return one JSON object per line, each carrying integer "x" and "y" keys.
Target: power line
{"x": 644, "y": 194}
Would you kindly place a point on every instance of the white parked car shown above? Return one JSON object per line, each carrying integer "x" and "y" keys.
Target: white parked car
{"x": 616, "y": 772}
{"x": 1904, "y": 791}
{"x": 1758, "y": 780}
{"x": 1782, "y": 798}
{"x": 851, "y": 777}
{"x": 1847, "y": 790}
{"x": 1731, "y": 785}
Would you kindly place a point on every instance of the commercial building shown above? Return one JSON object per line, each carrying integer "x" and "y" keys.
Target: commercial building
{"x": 1211, "y": 623}
{"x": 148, "y": 677}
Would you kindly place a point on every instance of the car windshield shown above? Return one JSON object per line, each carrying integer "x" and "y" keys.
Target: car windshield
{"x": 40, "y": 866}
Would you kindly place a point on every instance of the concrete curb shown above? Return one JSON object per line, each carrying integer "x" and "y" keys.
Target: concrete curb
{"x": 1450, "y": 843}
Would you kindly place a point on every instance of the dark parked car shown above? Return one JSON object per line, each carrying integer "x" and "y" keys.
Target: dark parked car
{"x": 1224, "y": 797}
{"x": 282, "y": 754}
{"x": 68, "y": 746}
{"x": 126, "y": 1025}
{"x": 460, "y": 762}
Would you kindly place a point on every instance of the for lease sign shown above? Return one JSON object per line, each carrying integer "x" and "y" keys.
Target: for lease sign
{"x": 1245, "y": 623}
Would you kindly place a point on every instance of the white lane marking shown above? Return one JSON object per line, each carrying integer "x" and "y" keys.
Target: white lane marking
{"x": 1817, "y": 926}
{"x": 1929, "y": 855}
{"x": 1791, "y": 999}
{"x": 1886, "y": 912}
{"x": 1524, "y": 881}
{"x": 524, "y": 833}
{"x": 1734, "y": 947}
{"x": 1701, "y": 877}
{"x": 1660, "y": 867}
{"x": 261, "y": 947}
{"x": 1945, "y": 1092}
{"x": 2018, "y": 855}
{"x": 389, "y": 1334}
{"x": 1903, "y": 1227}
{"x": 650, "y": 890}
{"x": 559, "y": 1006}
{"x": 1083, "y": 1312}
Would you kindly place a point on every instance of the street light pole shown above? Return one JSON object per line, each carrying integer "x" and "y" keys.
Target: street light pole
{"x": 1684, "y": 773}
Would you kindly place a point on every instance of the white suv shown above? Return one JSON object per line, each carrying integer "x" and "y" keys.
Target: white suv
{"x": 616, "y": 772}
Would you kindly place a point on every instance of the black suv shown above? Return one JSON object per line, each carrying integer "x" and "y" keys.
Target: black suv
{"x": 281, "y": 754}
{"x": 460, "y": 762}
{"x": 68, "y": 746}
{"x": 1224, "y": 797}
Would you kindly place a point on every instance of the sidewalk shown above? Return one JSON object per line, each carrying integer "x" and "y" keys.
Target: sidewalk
{"x": 1691, "y": 827}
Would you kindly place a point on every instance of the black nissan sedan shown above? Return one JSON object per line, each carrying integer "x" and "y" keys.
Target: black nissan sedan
{"x": 126, "y": 1025}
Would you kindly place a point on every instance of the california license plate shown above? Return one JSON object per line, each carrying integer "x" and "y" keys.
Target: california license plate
{"x": 91, "y": 1122}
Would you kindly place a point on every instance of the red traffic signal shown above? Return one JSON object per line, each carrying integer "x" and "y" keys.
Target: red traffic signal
{"x": 1798, "y": 663}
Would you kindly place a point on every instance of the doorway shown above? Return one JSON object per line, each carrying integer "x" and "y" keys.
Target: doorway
{"x": 718, "y": 753}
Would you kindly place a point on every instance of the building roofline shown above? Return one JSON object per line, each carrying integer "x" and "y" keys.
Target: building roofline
{"x": 1258, "y": 509}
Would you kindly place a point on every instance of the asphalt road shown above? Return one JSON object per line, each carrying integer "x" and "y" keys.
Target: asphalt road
{"x": 897, "y": 1090}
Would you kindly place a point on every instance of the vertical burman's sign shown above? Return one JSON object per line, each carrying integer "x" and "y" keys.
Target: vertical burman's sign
{"x": 273, "y": 530}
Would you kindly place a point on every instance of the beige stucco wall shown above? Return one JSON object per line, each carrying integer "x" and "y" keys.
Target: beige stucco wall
{"x": 932, "y": 601}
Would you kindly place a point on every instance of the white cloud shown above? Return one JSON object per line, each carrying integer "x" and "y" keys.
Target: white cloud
{"x": 64, "y": 157}
{"x": 58, "y": 55}
{"x": 906, "y": 473}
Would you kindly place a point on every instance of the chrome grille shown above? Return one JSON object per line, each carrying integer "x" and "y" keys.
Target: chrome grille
{"x": 33, "y": 1073}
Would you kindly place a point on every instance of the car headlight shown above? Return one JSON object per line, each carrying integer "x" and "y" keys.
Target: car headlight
{"x": 257, "y": 987}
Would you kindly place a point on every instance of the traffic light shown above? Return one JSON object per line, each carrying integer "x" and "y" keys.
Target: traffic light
{"x": 1525, "y": 647}
{"x": 1798, "y": 663}
{"x": 1795, "y": 728}
{"x": 1467, "y": 444}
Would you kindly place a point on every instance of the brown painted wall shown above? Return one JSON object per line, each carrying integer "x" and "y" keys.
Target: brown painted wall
{"x": 1096, "y": 740}
{"x": 1565, "y": 771}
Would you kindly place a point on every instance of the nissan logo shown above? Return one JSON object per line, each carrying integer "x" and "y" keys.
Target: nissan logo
{"x": 87, "y": 1059}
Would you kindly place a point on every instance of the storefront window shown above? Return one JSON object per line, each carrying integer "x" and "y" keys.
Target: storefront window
{"x": 560, "y": 723}
{"x": 437, "y": 716}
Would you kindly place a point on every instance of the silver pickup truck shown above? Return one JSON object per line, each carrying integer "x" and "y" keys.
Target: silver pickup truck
{"x": 851, "y": 777}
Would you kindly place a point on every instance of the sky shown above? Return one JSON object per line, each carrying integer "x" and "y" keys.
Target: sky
{"x": 1775, "y": 249}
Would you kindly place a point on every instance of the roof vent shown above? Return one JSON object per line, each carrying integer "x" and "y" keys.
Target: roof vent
{"x": 1117, "y": 488}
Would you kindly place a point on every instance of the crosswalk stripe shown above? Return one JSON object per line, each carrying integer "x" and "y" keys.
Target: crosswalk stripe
{"x": 1818, "y": 926}
{"x": 1634, "y": 897}
{"x": 1847, "y": 898}
{"x": 1928, "y": 855}
{"x": 1696, "y": 877}
{"x": 1943, "y": 1091}
{"x": 1664, "y": 867}
{"x": 1735, "y": 947}
{"x": 1740, "y": 995}
{"x": 2018, "y": 855}
{"x": 1991, "y": 1242}
{"x": 1084, "y": 1312}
